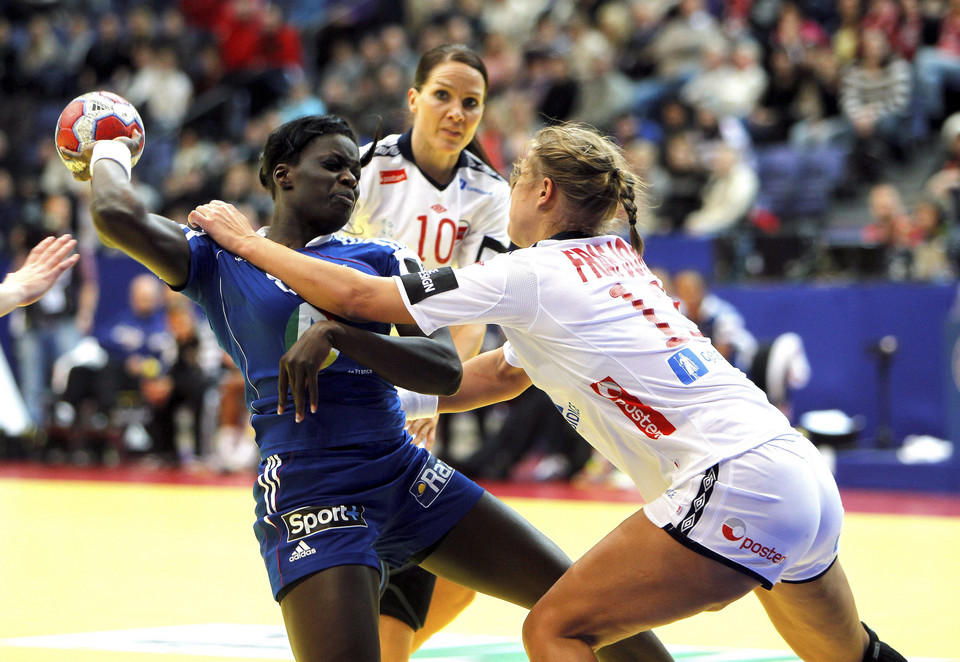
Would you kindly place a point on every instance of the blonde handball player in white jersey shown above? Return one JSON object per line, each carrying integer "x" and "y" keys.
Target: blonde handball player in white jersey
{"x": 434, "y": 189}
{"x": 736, "y": 500}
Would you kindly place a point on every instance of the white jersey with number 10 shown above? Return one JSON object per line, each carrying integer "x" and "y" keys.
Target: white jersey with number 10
{"x": 454, "y": 225}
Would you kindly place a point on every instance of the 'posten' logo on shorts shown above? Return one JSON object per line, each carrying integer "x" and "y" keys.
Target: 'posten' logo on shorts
{"x": 431, "y": 481}
{"x": 309, "y": 520}
{"x": 687, "y": 366}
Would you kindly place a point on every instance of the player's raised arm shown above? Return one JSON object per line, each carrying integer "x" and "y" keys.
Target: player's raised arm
{"x": 103, "y": 150}
{"x": 122, "y": 221}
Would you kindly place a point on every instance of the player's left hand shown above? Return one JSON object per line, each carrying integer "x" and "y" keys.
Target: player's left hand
{"x": 43, "y": 266}
{"x": 300, "y": 366}
{"x": 223, "y": 222}
{"x": 424, "y": 431}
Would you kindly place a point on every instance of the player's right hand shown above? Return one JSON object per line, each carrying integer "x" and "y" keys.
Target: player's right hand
{"x": 300, "y": 366}
{"x": 83, "y": 156}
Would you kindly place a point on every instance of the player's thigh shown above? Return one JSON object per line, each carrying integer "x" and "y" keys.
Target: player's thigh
{"x": 495, "y": 551}
{"x": 331, "y": 615}
{"x": 818, "y": 618}
{"x": 636, "y": 578}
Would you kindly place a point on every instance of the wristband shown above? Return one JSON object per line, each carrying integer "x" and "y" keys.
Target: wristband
{"x": 417, "y": 405}
{"x": 114, "y": 151}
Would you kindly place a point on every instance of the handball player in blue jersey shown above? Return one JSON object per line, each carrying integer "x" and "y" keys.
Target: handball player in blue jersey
{"x": 340, "y": 489}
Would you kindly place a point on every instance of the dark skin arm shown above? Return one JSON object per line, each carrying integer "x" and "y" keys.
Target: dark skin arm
{"x": 122, "y": 222}
{"x": 415, "y": 362}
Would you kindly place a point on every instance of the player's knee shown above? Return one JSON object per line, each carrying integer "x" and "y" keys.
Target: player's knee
{"x": 546, "y": 622}
{"x": 877, "y": 651}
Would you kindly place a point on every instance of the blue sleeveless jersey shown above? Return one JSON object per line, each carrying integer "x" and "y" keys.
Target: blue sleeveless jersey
{"x": 257, "y": 318}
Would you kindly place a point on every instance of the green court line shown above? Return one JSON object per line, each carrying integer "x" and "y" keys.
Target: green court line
{"x": 513, "y": 652}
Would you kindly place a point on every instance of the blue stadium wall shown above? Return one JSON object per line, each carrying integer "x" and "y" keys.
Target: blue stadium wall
{"x": 837, "y": 324}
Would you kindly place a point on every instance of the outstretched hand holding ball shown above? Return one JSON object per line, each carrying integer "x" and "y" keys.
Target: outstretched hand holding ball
{"x": 93, "y": 117}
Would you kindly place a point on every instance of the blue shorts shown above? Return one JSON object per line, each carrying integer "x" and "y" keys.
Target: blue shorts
{"x": 354, "y": 505}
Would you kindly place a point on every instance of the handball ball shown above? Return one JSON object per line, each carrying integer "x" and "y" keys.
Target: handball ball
{"x": 96, "y": 116}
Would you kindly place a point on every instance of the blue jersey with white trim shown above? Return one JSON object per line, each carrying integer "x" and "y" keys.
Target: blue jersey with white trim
{"x": 257, "y": 318}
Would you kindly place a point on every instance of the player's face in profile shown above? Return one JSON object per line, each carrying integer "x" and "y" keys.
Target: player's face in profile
{"x": 325, "y": 182}
{"x": 523, "y": 226}
{"x": 448, "y": 107}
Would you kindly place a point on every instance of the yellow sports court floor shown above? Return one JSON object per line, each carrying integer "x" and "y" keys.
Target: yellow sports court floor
{"x": 93, "y": 568}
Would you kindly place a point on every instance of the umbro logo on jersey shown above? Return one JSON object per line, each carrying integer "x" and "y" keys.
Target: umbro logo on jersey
{"x": 647, "y": 419}
{"x": 303, "y": 550}
{"x": 393, "y": 176}
{"x": 310, "y": 520}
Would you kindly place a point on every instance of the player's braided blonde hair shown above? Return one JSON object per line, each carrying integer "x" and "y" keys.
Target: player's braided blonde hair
{"x": 591, "y": 172}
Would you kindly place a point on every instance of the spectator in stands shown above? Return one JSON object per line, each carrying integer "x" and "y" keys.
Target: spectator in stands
{"x": 875, "y": 98}
{"x": 731, "y": 82}
{"x": 930, "y": 242}
{"x": 562, "y": 90}
{"x": 192, "y": 172}
{"x": 603, "y": 93}
{"x": 184, "y": 399}
{"x": 141, "y": 350}
{"x": 777, "y": 110}
{"x": 938, "y": 66}
{"x": 891, "y": 228}
{"x": 159, "y": 88}
{"x": 108, "y": 55}
{"x": 687, "y": 179}
{"x": 795, "y": 34}
{"x": 41, "y": 58}
{"x": 819, "y": 119}
{"x": 644, "y": 158}
{"x": 847, "y": 31}
{"x": 676, "y": 52}
{"x": 728, "y": 195}
{"x": 900, "y": 22}
{"x": 260, "y": 52}
{"x": 778, "y": 367}
{"x": 944, "y": 183}
{"x": 717, "y": 319}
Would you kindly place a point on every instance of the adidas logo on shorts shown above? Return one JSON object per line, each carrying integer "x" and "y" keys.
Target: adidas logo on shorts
{"x": 303, "y": 550}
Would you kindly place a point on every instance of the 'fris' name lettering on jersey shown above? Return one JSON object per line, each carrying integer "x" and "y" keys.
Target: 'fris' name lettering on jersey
{"x": 613, "y": 258}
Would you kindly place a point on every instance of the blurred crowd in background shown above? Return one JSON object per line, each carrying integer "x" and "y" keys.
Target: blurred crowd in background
{"x": 757, "y": 124}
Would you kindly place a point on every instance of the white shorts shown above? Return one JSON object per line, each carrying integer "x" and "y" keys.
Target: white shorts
{"x": 773, "y": 513}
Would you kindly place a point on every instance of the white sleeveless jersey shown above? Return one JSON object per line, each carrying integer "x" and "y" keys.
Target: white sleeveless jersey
{"x": 591, "y": 326}
{"x": 451, "y": 226}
